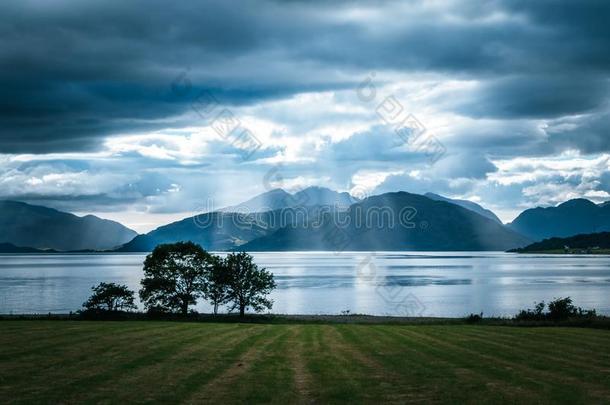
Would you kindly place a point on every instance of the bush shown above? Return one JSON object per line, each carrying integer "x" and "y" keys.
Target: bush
{"x": 535, "y": 314}
{"x": 560, "y": 309}
{"x": 474, "y": 318}
{"x": 110, "y": 297}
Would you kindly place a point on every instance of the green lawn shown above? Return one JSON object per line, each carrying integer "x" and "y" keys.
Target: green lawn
{"x": 112, "y": 362}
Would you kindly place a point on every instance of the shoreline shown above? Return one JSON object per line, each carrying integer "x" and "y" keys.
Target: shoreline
{"x": 600, "y": 322}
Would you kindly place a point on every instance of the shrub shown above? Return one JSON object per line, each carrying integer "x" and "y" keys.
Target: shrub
{"x": 474, "y": 318}
{"x": 110, "y": 297}
{"x": 532, "y": 314}
{"x": 560, "y": 309}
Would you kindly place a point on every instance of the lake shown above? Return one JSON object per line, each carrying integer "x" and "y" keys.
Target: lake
{"x": 380, "y": 283}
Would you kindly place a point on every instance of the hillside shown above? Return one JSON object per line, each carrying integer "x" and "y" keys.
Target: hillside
{"x": 219, "y": 230}
{"x": 10, "y": 248}
{"x": 573, "y": 217}
{"x": 40, "y": 227}
{"x": 426, "y": 225}
{"x": 469, "y": 205}
{"x": 589, "y": 243}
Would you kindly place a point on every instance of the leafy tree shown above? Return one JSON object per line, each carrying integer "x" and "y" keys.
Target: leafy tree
{"x": 175, "y": 276}
{"x": 247, "y": 285}
{"x": 216, "y": 288}
{"x": 110, "y": 297}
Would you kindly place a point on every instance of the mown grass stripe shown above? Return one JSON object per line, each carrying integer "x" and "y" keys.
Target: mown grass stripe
{"x": 158, "y": 380}
{"x": 266, "y": 368}
{"x": 497, "y": 380}
{"x": 449, "y": 375}
{"x": 69, "y": 338}
{"x": 333, "y": 368}
{"x": 91, "y": 375}
{"x": 172, "y": 362}
{"x": 76, "y": 355}
{"x": 394, "y": 383}
{"x": 564, "y": 353}
{"x": 538, "y": 367}
{"x": 199, "y": 379}
{"x": 497, "y": 363}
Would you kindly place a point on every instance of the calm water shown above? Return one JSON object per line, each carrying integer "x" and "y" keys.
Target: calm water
{"x": 397, "y": 283}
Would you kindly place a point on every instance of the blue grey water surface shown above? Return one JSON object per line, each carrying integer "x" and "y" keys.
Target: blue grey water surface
{"x": 381, "y": 283}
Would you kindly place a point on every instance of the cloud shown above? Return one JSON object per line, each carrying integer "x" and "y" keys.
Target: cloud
{"x": 97, "y": 99}
{"x": 588, "y": 133}
{"x": 534, "y": 97}
{"x": 86, "y": 71}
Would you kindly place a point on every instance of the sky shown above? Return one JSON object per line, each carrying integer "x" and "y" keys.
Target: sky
{"x": 149, "y": 111}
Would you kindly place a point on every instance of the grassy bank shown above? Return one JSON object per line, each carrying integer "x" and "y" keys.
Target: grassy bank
{"x": 50, "y": 361}
{"x": 597, "y": 322}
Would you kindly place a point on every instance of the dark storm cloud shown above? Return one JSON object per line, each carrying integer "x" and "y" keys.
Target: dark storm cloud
{"x": 535, "y": 97}
{"x": 588, "y": 133}
{"x": 73, "y": 73}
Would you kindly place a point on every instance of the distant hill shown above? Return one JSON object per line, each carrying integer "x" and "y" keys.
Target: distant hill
{"x": 592, "y": 241}
{"x": 40, "y": 227}
{"x": 437, "y": 225}
{"x": 578, "y": 216}
{"x": 219, "y": 230}
{"x": 469, "y": 205}
{"x": 278, "y": 199}
{"x": 10, "y": 248}
{"x": 213, "y": 231}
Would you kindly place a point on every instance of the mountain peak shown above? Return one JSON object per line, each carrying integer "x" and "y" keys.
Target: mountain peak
{"x": 576, "y": 216}
{"x": 279, "y": 198}
{"x": 578, "y": 202}
{"x": 469, "y": 205}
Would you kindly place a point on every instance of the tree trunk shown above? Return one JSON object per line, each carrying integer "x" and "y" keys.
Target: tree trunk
{"x": 215, "y": 308}
{"x": 242, "y": 310}
{"x": 185, "y": 308}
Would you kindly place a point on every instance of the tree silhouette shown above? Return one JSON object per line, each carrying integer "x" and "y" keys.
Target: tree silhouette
{"x": 175, "y": 276}
{"x": 216, "y": 288}
{"x": 247, "y": 285}
{"x": 110, "y": 297}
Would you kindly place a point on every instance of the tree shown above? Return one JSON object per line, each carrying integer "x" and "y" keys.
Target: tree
{"x": 216, "y": 288}
{"x": 175, "y": 276}
{"x": 247, "y": 285}
{"x": 110, "y": 297}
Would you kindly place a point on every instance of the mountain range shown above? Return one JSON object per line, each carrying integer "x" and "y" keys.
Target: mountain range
{"x": 38, "y": 227}
{"x": 315, "y": 218}
{"x": 278, "y": 199}
{"x": 573, "y": 217}
{"x": 395, "y": 221}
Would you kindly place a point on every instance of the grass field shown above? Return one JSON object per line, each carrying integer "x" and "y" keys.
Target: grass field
{"x": 65, "y": 361}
